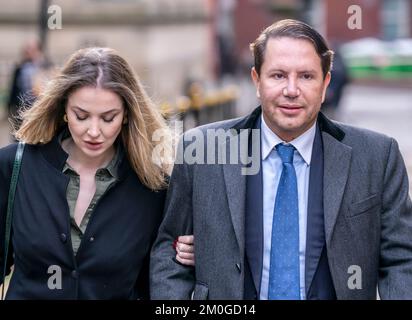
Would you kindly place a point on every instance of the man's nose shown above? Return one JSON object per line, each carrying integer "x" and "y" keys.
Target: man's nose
{"x": 291, "y": 90}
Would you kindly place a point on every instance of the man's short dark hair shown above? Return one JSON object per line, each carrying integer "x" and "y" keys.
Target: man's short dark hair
{"x": 292, "y": 29}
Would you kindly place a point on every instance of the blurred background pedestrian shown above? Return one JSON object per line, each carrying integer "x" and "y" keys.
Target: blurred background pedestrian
{"x": 28, "y": 78}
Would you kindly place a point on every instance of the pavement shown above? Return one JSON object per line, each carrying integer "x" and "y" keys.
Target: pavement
{"x": 384, "y": 109}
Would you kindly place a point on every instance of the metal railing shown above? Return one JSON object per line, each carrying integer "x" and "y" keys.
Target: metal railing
{"x": 200, "y": 107}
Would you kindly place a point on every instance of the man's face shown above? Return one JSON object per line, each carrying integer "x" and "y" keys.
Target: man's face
{"x": 290, "y": 86}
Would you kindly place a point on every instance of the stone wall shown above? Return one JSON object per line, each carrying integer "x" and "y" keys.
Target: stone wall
{"x": 165, "y": 41}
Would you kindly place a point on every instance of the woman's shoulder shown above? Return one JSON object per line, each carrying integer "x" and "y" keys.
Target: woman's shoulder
{"x": 7, "y": 155}
{"x": 8, "y": 152}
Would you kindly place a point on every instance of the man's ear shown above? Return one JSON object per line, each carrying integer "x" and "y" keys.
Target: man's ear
{"x": 326, "y": 82}
{"x": 256, "y": 80}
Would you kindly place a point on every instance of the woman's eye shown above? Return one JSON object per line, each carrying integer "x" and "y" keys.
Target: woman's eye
{"x": 108, "y": 119}
{"x": 80, "y": 118}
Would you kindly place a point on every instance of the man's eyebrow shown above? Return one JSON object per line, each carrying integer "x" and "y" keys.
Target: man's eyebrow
{"x": 106, "y": 112}
{"x": 277, "y": 70}
{"x": 299, "y": 71}
{"x": 308, "y": 71}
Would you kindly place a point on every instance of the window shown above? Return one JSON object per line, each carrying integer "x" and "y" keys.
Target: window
{"x": 395, "y": 19}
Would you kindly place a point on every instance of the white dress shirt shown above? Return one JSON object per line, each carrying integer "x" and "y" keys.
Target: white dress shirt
{"x": 272, "y": 169}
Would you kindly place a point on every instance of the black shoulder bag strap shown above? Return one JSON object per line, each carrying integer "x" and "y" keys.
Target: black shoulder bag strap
{"x": 10, "y": 204}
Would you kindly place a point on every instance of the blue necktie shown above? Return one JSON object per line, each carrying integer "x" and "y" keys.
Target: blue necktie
{"x": 284, "y": 254}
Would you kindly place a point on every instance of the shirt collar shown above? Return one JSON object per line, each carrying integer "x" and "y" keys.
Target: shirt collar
{"x": 303, "y": 143}
{"x": 111, "y": 168}
{"x": 113, "y": 165}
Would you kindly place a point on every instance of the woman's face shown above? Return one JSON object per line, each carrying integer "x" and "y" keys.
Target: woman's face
{"x": 95, "y": 118}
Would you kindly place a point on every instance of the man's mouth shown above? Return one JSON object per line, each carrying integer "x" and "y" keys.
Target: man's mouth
{"x": 290, "y": 109}
{"x": 290, "y": 106}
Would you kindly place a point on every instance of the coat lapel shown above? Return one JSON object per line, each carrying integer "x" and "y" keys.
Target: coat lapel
{"x": 315, "y": 231}
{"x": 235, "y": 181}
{"x": 337, "y": 158}
{"x": 254, "y": 219}
{"x": 236, "y": 195}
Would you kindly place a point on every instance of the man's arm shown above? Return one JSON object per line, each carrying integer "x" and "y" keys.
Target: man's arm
{"x": 170, "y": 279}
{"x": 395, "y": 274}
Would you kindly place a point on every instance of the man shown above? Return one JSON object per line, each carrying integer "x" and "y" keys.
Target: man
{"x": 327, "y": 216}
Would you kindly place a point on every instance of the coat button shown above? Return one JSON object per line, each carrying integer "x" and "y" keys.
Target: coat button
{"x": 63, "y": 237}
{"x": 91, "y": 239}
{"x": 75, "y": 275}
{"x": 238, "y": 267}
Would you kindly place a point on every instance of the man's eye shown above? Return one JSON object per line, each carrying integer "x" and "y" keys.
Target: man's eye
{"x": 307, "y": 76}
{"x": 278, "y": 76}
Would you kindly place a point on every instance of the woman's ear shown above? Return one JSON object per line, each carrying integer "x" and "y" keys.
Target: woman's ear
{"x": 125, "y": 118}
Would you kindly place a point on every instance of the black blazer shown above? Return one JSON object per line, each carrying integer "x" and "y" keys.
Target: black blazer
{"x": 113, "y": 258}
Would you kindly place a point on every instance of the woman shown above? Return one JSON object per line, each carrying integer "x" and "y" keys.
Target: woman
{"x": 91, "y": 190}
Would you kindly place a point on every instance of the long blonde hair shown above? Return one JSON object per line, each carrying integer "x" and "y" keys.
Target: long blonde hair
{"x": 105, "y": 68}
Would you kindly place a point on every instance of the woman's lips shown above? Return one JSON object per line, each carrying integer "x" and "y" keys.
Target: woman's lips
{"x": 93, "y": 145}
